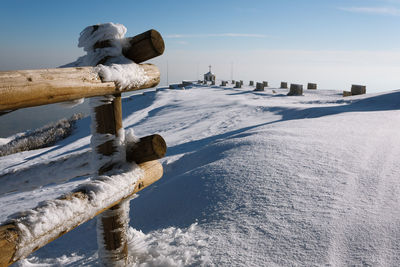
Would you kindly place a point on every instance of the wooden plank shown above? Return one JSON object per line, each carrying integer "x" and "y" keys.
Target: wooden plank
{"x": 29, "y": 88}
{"x": 9, "y": 233}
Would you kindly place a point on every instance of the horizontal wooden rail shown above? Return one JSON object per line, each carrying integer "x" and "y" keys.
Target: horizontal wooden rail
{"x": 10, "y": 235}
{"x": 148, "y": 148}
{"x": 28, "y": 88}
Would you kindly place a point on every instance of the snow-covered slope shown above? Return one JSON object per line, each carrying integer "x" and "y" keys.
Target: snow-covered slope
{"x": 251, "y": 179}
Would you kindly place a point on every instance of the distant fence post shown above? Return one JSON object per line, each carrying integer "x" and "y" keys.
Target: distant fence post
{"x": 259, "y": 87}
{"x": 251, "y": 83}
{"x": 358, "y": 89}
{"x": 312, "y": 86}
{"x": 284, "y": 85}
{"x": 113, "y": 238}
{"x": 265, "y": 83}
{"x": 296, "y": 89}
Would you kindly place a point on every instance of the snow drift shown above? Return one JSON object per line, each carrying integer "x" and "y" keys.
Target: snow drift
{"x": 251, "y": 179}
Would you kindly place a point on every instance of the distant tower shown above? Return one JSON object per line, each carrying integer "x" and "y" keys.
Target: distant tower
{"x": 209, "y": 76}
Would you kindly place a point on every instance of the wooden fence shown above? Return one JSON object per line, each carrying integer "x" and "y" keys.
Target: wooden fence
{"x": 28, "y": 88}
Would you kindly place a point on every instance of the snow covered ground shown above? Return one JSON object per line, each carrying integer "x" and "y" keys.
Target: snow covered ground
{"x": 251, "y": 179}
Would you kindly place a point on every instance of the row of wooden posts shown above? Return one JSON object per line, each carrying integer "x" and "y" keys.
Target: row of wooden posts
{"x": 295, "y": 89}
{"x": 29, "y": 88}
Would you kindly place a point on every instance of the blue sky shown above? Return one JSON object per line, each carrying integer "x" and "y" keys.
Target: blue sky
{"x": 293, "y": 40}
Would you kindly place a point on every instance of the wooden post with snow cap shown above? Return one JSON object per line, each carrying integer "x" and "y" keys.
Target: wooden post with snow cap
{"x": 112, "y": 224}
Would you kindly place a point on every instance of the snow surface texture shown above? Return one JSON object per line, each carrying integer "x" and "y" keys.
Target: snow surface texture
{"x": 119, "y": 69}
{"x": 250, "y": 179}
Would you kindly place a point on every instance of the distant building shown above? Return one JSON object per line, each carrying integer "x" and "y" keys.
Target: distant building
{"x": 209, "y": 76}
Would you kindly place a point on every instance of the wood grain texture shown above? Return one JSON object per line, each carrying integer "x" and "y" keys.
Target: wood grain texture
{"x": 29, "y": 88}
{"x": 149, "y": 148}
{"x": 152, "y": 171}
{"x": 144, "y": 46}
{"x": 113, "y": 236}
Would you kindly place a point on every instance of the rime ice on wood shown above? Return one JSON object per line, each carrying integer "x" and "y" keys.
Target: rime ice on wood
{"x": 97, "y": 33}
{"x": 125, "y": 75}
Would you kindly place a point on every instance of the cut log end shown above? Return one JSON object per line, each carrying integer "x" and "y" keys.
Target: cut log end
{"x": 8, "y": 244}
{"x": 149, "y": 148}
{"x": 144, "y": 46}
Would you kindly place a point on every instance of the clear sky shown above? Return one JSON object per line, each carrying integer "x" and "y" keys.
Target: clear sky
{"x": 332, "y": 42}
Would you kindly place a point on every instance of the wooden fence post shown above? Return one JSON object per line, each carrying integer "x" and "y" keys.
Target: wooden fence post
{"x": 112, "y": 224}
{"x": 259, "y": 87}
{"x": 296, "y": 89}
{"x": 358, "y": 89}
{"x": 312, "y": 86}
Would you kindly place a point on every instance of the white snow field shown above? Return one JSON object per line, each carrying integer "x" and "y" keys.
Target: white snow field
{"x": 251, "y": 179}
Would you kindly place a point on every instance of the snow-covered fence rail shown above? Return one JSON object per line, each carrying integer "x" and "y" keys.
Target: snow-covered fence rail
{"x": 117, "y": 178}
{"x": 29, "y": 88}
